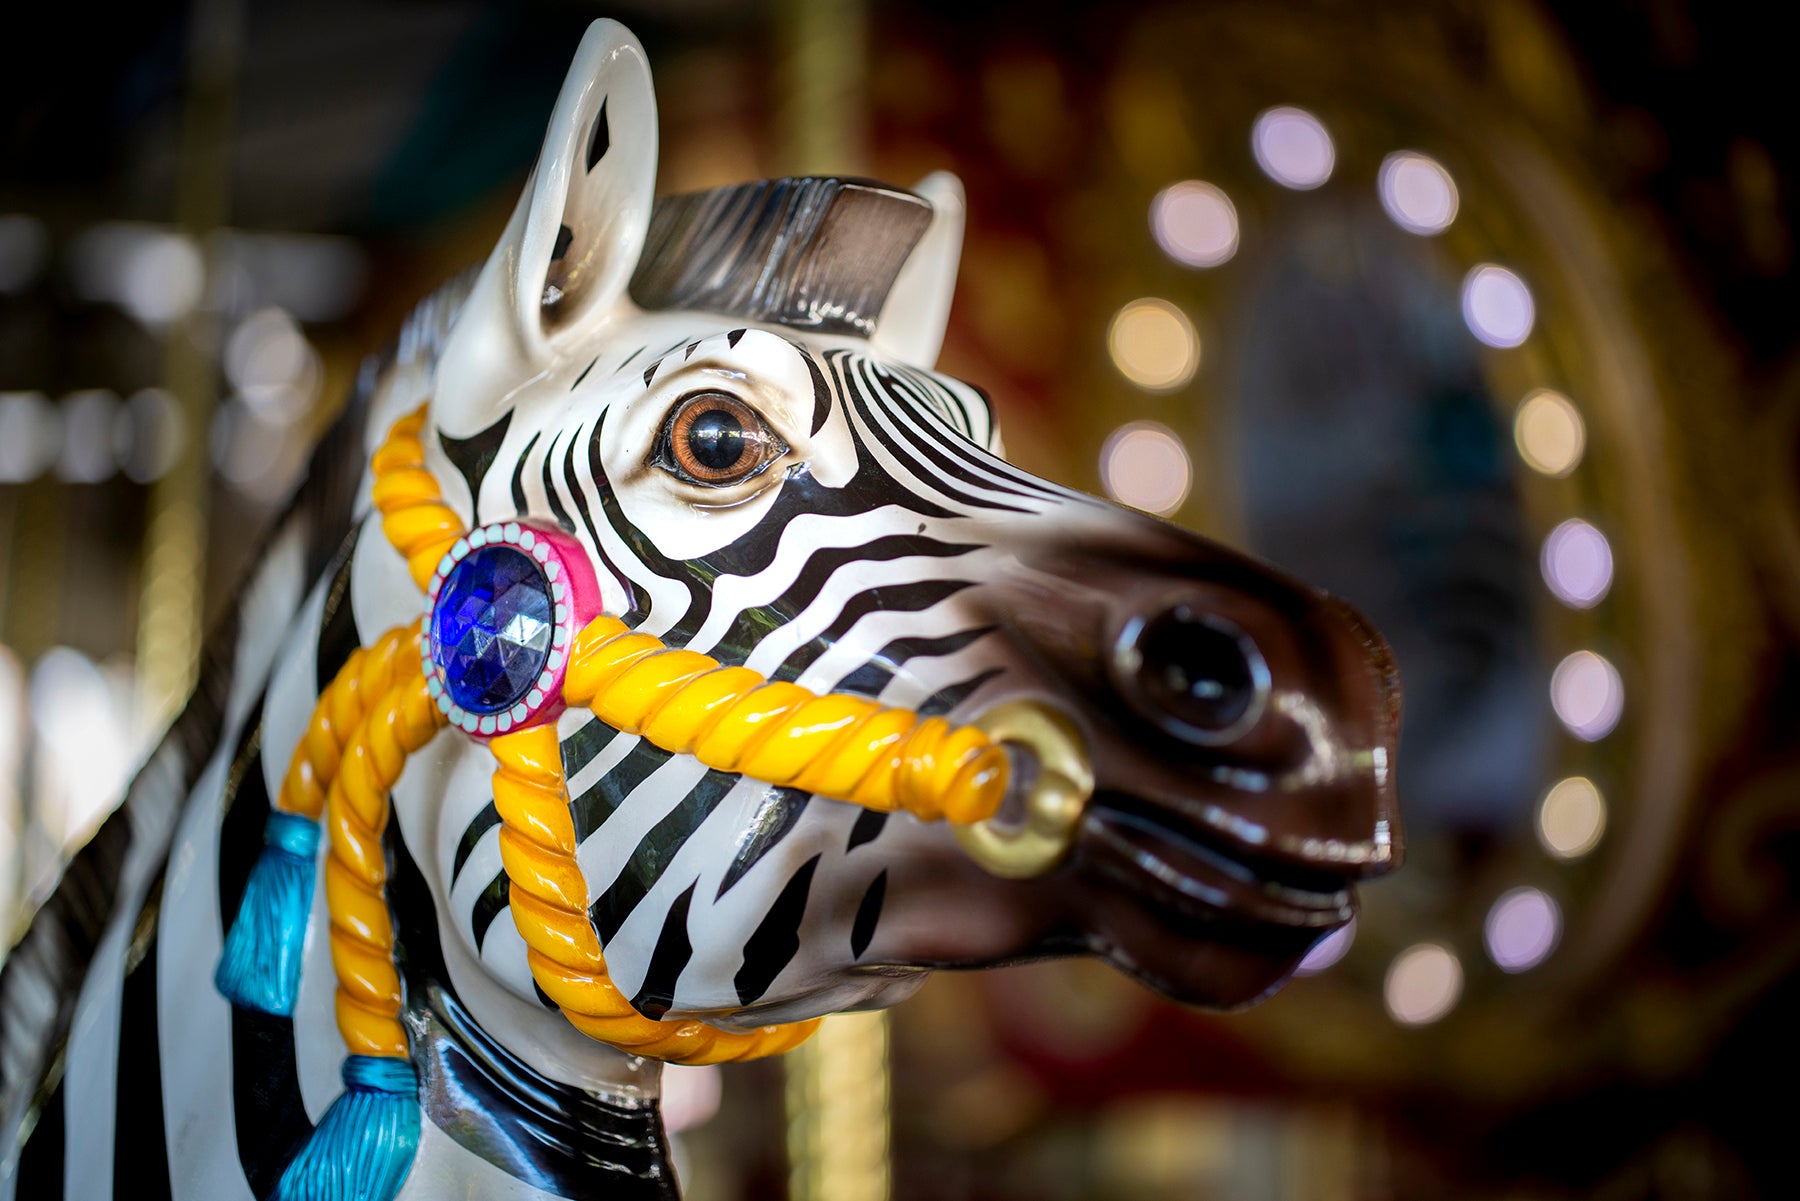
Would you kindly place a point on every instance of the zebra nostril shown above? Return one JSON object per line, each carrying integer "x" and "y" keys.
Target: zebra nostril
{"x": 1200, "y": 678}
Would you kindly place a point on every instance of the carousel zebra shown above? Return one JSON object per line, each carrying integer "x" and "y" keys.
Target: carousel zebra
{"x": 713, "y": 421}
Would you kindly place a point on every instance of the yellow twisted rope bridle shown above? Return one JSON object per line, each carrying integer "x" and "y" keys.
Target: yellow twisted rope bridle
{"x": 378, "y": 711}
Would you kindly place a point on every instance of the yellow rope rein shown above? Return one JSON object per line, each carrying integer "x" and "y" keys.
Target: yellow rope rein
{"x": 402, "y": 720}
{"x": 369, "y": 719}
{"x": 847, "y": 748}
{"x": 365, "y": 675}
{"x": 549, "y": 907}
{"x": 413, "y": 513}
{"x": 378, "y": 711}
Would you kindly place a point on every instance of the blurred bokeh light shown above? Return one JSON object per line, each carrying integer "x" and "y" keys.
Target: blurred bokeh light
{"x": 1476, "y": 316}
{"x": 1498, "y": 306}
{"x": 1423, "y": 984}
{"x": 1154, "y": 345}
{"x": 1577, "y": 564}
{"x": 1571, "y": 818}
{"x": 1195, "y": 223}
{"x": 1328, "y": 950}
{"x": 1522, "y": 929}
{"x": 1548, "y": 432}
{"x": 1145, "y": 466}
{"x": 1417, "y": 192}
{"x": 1588, "y": 695}
{"x": 1292, "y": 148}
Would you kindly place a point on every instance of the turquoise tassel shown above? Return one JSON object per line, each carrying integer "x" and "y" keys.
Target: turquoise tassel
{"x": 363, "y": 1147}
{"x": 260, "y": 966}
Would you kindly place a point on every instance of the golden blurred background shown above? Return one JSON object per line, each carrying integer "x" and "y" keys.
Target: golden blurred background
{"x": 1478, "y": 314}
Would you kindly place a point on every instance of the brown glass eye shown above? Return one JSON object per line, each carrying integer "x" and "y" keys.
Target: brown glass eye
{"x": 717, "y": 439}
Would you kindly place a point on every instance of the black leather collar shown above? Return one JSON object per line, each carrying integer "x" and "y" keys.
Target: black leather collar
{"x": 554, "y": 1136}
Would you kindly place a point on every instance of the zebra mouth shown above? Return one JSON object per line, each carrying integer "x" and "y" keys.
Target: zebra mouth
{"x": 1143, "y": 847}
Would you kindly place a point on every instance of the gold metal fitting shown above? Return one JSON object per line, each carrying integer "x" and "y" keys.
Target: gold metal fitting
{"x": 1018, "y": 849}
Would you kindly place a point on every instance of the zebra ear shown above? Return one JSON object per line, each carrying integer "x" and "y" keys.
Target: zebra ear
{"x": 562, "y": 266}
{"x": 589, "y": 203}
{"x": 913, "y": 319}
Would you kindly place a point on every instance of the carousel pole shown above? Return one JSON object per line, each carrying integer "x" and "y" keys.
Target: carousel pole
{"x": 824, "y": 61}
{"x": 837, "y": 1082}
{"x": 173, "y": 593}
{"x": 837, "y": 1109}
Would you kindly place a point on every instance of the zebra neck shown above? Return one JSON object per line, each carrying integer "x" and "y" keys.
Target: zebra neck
{"x": 559, "y": 1138}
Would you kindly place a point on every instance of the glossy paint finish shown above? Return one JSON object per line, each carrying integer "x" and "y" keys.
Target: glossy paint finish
{"x": 1238, "y": 726}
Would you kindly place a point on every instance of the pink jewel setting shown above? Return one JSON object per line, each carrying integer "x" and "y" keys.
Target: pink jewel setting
{"x": 505, "y": 604}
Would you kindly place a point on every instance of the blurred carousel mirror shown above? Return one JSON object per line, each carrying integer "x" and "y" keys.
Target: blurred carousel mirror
{"x": 1341, "y": 291}
{"x": 1394, "y": 360}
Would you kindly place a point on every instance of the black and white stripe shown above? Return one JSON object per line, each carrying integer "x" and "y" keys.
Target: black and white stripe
{"x": 865, "y": 568}
{"x": 701, "y": 885}
{"x": 711, "y": 894}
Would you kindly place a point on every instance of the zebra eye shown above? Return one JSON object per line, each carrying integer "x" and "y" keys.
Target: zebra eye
{"x": 715, "y": 439}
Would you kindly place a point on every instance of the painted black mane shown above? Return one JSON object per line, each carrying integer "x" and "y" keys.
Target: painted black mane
{"x": 818, "y": 253}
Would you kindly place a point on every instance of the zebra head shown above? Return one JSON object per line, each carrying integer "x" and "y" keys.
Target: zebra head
{"x": 728, "y": 400}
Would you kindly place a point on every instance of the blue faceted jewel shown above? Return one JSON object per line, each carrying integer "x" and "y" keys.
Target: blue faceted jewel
{"x": 492, "y": 626}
